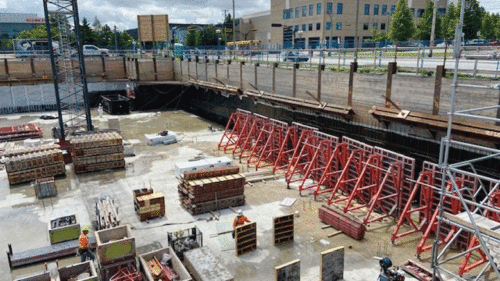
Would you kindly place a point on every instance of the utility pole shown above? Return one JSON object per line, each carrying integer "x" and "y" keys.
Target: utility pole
{"x": 356, "y": 40}
{"x": 234, "y": 23}
{"x": 433, "y": 29}
{"x": 224, "y": 23}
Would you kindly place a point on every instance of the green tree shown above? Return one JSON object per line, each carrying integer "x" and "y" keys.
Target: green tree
{"x": 473, "y": 18}
{"x": 191, "y": 38}
{"x": 106, "y": 37}
{"x": 6, "y": 44}
{"x": 97, "y": 25}
{"x": 199, "y": 38}
{"x": 424, "y": 28}
{"x": 209, "y": 36}
{"x": 378, "y": 36}
{"x": 498, "y": 29}
{"x": 488, "y": 27}
{"x": 402, "y": 25}
{"x": 39, "y": 32}
{"x": 449, "y": 21}
{"x": 125, "y": 40}
{"x": 86, "y": 33}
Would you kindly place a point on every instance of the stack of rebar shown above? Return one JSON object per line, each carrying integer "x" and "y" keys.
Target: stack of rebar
{"x": 97, "y": 152}
{"x": 107, "y": 216}
{"x": 199, "y": 193}
{"x": 28, "y": 164}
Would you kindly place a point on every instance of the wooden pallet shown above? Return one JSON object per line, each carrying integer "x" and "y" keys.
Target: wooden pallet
{"x": 97, "y": 151}
{"x": 246, "y": 238}
{"x": 200, "y": 198}
{"x": 150, "y": 206}
{"x": 99, "y": 167}
{"x": 37, "y": 173}
{"x": 90, "y": 160}
{"x": 200, "y": 208}
{"x": 283, "y": 230}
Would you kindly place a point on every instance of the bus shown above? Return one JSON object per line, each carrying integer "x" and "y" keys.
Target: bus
{"x": 245, "y": 45}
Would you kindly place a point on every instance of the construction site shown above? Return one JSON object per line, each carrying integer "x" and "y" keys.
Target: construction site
{"x": 222, "y": 168}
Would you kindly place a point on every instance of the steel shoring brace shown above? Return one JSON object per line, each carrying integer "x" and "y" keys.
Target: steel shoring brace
{"x": 424, "y": 183}
{"x": 301, "y": 151}
{"x": 287, "y": 147}
{"x": 332, "y": 170}
{"x": 494, "y": 201}
{"x": 316, "y": 168}
{"x": 243, "y": 134}
{"x": 249, "y": 142}
{"x": 352, "y": 166}
{"x": 268, "y": 154}
{"x": 421, "y": 247}
{"x": 233, "y": 129}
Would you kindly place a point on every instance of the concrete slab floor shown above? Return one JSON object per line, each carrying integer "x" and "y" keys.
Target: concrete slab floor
{"x": 23, "y": 218}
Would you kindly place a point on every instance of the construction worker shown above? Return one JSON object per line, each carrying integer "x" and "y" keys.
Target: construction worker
{"x": 239, "y": 220}
{"x": 84, "y": 245}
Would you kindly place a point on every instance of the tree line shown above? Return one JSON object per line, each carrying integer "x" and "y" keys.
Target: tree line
{"x": 476, "y": 19}
{"x": 95, "y": 34}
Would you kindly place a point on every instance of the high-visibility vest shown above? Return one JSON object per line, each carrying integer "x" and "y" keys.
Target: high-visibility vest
{"x": 240, "y": 221}
{"x": 83, "y": 241}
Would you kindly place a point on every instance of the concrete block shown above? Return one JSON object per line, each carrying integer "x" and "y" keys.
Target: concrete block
{"x": 288, "y": 271}
{"x": 205, "y": 267}
{"x": 332, "y": 264}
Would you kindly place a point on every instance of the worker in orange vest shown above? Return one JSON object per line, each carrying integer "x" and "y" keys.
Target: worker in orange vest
{"x": 239, "y": 220}
{"x": 84, "y": 245}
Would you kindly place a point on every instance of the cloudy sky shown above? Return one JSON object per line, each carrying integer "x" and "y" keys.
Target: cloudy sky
{"x": 122, "y": 13}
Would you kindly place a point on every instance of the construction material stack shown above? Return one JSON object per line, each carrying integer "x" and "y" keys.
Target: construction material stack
{"x": 116, "y": 252}
{"x": 20, "y": 132}
{"x": 97, "y": 152}
{"x": 28, "y": 164}
{"x": 107, "y": 216}
{"x": 211, "y": 190}
{"x": 149, "y": 204}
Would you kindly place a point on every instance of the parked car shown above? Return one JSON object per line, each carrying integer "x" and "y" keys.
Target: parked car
{"x": 495, "y": 43}
{"x": 295, "y": 56}
{"x": 91, "y": 50}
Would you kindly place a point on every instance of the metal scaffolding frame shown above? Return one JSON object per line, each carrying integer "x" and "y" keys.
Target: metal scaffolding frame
{"x": 476, "y": 213}
{"x": 68, "y": 66}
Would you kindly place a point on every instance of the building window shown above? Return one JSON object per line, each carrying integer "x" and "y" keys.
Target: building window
{"x": 287, "y": 14}
{"x": 338, "y": 26}
{"x": 365, "y": 26}
{"x": 318, "y": 9}
{"x": 328, "y": 26}
{"x": 420, "y": 13}
{"x": 303, "y": 27}
{"x": 375, "y": 25}
{"x": 318, "y": 26}
{"x": 296, "y": 28}
{"x": 367, "y": 9}
{"x": 375, "y": 10}
{"x": 340, "y": 9}
{"x": 382, "y": 26}
{"x": 297, "y": 12}
{"x": 310, "y": 27}
{"x": 384, "y": 10}
{"x": 304, "y": 11}
{"x": 311, "y": 10}
{"x": 441, "y": 11}
{"x": 329, "y": 8}
{"x": 393, "y": 9}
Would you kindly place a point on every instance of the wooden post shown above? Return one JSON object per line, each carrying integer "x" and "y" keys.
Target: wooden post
{"x": 437, "y": 89}
{"x": 498, "y": 109}
{"x": 241, "y": 74}
{"x": 6, "y": 68}
{"x": 125, "y": 67}
{"x": 155, "y": 68}
{"x": 294, "y": 79}
{"x": 321, "y": 68}
{"x": 206, "y": 70}
{"x": 180, "y": 64}
{"x": 137, "y": 70}
{"x": 392, "y": 70}
{"x": 32, "y": 64}
{"x": 374, "y": 59}
{"x": 475, "y": 69}
{"x": 354, "y": 68}
{"x": 173, "y": 68}
{"x": 103, "y": 67}
{"x": 228, "y": 63}
{"x": 256, "y": 80}
{"x": 274, "y": 76}
{"x": 216, "y": 66}
{"x": 189, "y": 72}
{"x": 196, "y": 66}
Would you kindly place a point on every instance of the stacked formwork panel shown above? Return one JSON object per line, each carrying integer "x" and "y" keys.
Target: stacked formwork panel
{"x": 96, "y": 152}
{"x": 249, "y": 137}
{"x": 211, "y": 190}
{"x": 23, "y": 165}
{"x": 268, "y": 144}
{"x": 238, "y": 122}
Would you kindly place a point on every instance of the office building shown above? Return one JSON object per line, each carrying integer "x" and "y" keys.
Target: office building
{"x": 12, "y": 24}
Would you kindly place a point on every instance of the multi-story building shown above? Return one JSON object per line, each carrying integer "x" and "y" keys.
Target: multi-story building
{"x": 310, "y": 23}
{"x": 12, "y": 24}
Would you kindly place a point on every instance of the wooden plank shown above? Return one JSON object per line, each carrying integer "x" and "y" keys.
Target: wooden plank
{"x": 483, "y": 224}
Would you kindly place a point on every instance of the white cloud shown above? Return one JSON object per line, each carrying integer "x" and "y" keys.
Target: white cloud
{"x": 3, "y": 4}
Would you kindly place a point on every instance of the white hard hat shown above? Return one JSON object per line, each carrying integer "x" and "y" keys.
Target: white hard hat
{"x": 240, "y": 213}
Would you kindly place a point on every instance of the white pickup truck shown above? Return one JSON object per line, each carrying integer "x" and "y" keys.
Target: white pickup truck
{"x": 91, "y": 50}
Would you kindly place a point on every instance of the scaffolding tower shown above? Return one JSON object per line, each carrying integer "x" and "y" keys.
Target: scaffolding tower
{"x": 68, "y": 66}
{"x": 480, "y": 215}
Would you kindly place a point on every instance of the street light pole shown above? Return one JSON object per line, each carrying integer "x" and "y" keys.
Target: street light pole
{"x": 433, "y": 29}
{"x": 234, "y": 25}
{"x": 356, "y": 40}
